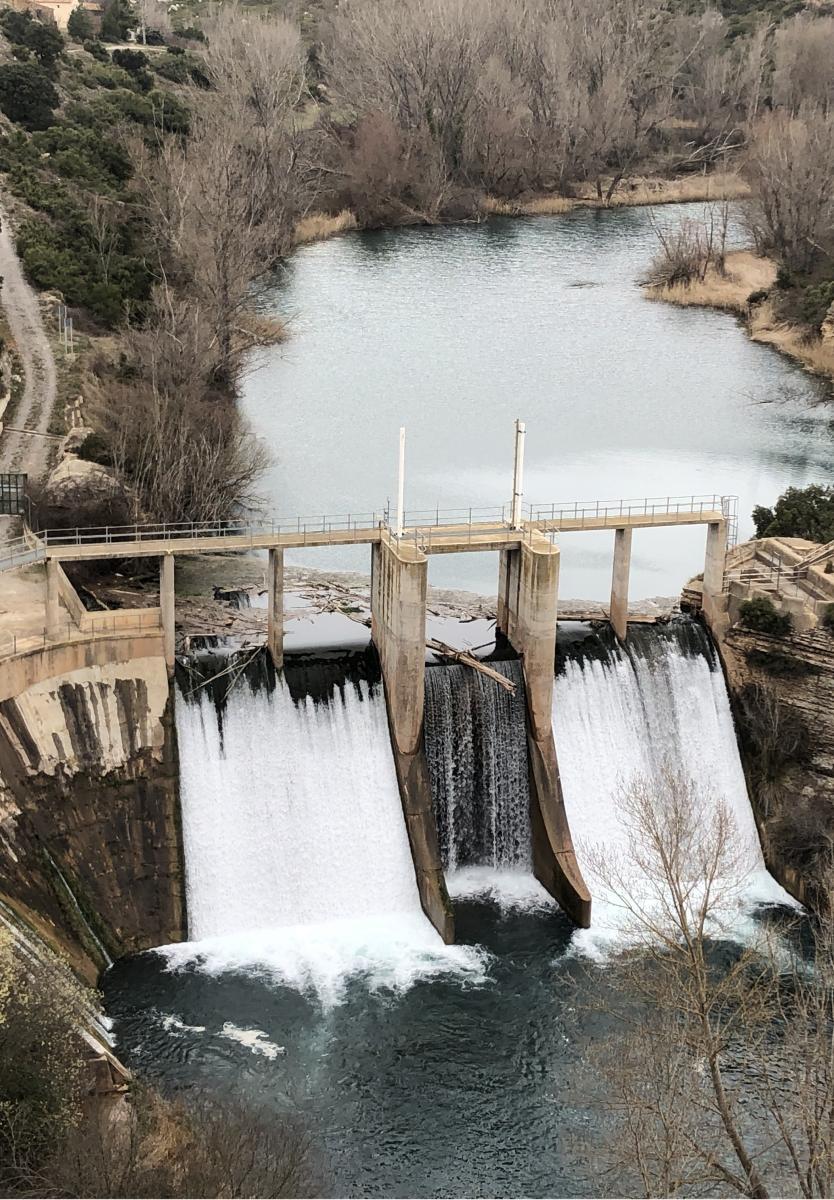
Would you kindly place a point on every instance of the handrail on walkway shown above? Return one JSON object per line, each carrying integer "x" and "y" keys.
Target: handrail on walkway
{"x": 141, "y": 620}
{"x": 423, "y": 525}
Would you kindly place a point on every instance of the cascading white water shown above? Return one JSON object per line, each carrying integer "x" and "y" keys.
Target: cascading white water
{"x": 476, "y": 745}
{"x": 476, "y": 742}
{"x": 633, "y": 714}
{"x": 296, "y": 853}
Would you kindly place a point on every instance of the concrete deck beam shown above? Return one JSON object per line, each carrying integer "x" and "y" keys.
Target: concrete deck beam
{"x": 398, "y": 613}
{"x": 167, "y": 606}
{"x": 619, "y": 583}
{"x": 275, "y": 608}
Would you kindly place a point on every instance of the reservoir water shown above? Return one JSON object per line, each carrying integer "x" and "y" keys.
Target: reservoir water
{"x": 454, "y": 332}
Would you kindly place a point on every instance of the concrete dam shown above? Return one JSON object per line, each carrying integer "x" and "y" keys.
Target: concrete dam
{"x": 143, "y": 811}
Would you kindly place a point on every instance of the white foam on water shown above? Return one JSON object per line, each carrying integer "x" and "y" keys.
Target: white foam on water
{"x": 253, "y": 1039}
{"x": 298, "y": 866}
{"x": 389, "y": 953}
{"x": 632, "y": 717}
{"x": 507, "y": 888}
{"x": 172, "y": 1024}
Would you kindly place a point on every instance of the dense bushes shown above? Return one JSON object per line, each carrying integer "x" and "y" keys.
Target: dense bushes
{"x": 799, "y": 512}
{"x": 27, "y": 95}
{"x": 94, "y": 269}
{"x": 760, "y": 616}
{"x": 80, "y": 25}
{"x": 43, "y": 41}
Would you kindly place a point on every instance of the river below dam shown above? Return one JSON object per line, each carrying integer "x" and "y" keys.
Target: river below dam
{"x": 454, "y": 332}
{"x": 313, "y": 983}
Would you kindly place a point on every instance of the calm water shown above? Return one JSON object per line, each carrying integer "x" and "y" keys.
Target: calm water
{"x": 448, "y": 1089}
{"x": 456, "y": 332}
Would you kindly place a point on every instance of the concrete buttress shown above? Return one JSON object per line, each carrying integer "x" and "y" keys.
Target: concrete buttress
{"x": 275, "y": 611}
{"x": 398, "y": 608}
{"x": 527, "y": 609}
{"x": 167, "y": 606}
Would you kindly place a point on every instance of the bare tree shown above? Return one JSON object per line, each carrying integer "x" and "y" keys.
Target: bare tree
{"x": 223, "y": 202}
{"x": 803, "y": 66}
{"x": 690, "y": 248}
{"x": 790, "y": 165}
{"x": 724, "y": 1080}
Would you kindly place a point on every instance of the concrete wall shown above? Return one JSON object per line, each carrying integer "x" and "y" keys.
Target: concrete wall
{"x": 90, "y": 840}
{"x": 398, "y": 605}
{"x": 527, "y": 609}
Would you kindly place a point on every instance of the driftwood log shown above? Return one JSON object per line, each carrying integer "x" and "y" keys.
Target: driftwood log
{"x": 469, "y": 660}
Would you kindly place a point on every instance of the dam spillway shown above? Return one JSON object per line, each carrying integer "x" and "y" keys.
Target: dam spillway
{"x": 297, "y": 857}
{"x": 476, "y": 743}
{"x": 633, "y": 713}
{"x": 291, "y": 812}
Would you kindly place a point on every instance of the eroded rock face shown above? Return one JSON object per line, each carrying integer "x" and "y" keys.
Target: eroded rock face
{"x": 795, "y": 810}
{"x": 90, "y": 843}
{"x": 827, "y": 326}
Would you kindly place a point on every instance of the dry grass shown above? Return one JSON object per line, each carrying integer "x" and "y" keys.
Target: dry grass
{"x": 256, "y": 329}
{"x": 317, "y": 227}
{"x": 541, "y": 206}
{"x": 723, "y": 185}
{"x": 745, "y": 272}
{"x": 815, "y": 354}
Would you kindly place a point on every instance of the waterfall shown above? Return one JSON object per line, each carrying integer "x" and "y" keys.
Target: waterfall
{"x": 296, "y": 854}
{"x": 476, "y": 746}
{"x": 622, "y": 713}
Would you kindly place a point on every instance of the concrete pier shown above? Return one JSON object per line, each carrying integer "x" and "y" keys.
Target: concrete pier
{"x": 619, "y": 582}
{"x": 53, "y": 598}
{"x": 167, "y": 606}
{"x": 527, "y": 609}
{"x": 714, "y": 558}
{"x": 275, "y": 609}
{"x": 398, "y": 607}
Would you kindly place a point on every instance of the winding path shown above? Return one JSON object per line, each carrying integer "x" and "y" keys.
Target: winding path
{"x": 22, "y": 451}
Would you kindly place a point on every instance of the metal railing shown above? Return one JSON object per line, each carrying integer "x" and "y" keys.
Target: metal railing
{"x": 424, "y": 526}
{"x": 588, "y": 511}
{"x": 175, "y": 531}
{"x": 103, "y": 625}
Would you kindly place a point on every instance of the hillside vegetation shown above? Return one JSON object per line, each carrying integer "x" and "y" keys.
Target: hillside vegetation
{"x": 152, "y": 185}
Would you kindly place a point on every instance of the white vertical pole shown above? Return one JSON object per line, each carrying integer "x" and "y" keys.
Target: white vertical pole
{"x": 518, "y": 474}
{"x": 401, "y": 483}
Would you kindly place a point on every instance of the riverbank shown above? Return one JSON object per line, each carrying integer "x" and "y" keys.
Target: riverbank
{"x": 639, "y": 192}
{"x": 747, "y": 274}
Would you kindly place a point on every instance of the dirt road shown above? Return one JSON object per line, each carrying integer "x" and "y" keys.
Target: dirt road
{"x": 21, "y": 451}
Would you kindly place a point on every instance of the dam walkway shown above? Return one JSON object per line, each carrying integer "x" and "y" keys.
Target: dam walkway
{"x": 435, "y": 531}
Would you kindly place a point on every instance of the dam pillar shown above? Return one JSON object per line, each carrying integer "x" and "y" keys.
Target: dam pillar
{"x": 398, "y": 627}
{"x": 275, "y": 608}
{"x": 53, "y": 599}
{"x": 527, "y": 616}
{"x": 713, "y": 589}
{"x": 167, "y": 608}
{"x": 619, "y": 583}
